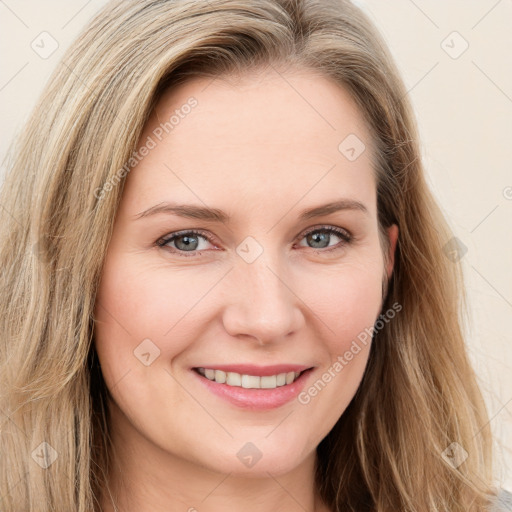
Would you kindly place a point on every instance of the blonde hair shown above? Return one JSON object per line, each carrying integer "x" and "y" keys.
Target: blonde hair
{"x": 418, "y": 394}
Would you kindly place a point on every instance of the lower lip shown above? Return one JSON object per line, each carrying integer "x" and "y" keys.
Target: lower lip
{"x": 256, "y": 399}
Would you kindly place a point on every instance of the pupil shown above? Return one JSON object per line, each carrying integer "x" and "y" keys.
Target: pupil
{"x": 187, "y": 240}
{"x": 317, "y": 237}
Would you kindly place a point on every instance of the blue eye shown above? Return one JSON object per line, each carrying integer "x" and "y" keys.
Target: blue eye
{"x": 183, "y": 242}
{"x": 320, "y": 235}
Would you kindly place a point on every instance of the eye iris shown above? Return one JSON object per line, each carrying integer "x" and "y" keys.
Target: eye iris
{"x": 188, "y": 241}
{"x": 319, "y": 237}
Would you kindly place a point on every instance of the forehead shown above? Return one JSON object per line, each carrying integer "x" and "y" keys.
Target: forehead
{"x": 261, "y": 135}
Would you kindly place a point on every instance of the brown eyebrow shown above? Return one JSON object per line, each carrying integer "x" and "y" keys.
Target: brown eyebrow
{"x": 191, "y": 211}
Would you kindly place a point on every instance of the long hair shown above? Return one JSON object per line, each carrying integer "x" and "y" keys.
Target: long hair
{"x": 418, "y": 407}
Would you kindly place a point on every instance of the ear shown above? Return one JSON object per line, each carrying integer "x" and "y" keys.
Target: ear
{"x": 393, "y": 237}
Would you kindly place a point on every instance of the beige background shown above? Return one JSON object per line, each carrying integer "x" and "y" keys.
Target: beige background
{"x": 463, "y": 102}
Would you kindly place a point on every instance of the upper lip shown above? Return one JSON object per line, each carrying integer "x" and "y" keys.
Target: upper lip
{"x": 251, "y": 369}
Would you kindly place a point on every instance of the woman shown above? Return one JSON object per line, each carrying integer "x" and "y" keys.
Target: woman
{"x": 224, "y": 282}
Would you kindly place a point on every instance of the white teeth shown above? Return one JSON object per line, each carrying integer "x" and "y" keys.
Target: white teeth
{"x": 249, "y": 381}
{"x": 269, "y": 381}
{"x": 220, "y": 376}
{"x": 233, "y": 379}
{"x": 290, "y": 377}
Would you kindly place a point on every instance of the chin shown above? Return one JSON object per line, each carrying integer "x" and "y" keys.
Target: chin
{"x": 257, "y": 458}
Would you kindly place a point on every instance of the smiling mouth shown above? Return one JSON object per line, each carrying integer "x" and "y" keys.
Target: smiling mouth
{"x": 250, "y": 381}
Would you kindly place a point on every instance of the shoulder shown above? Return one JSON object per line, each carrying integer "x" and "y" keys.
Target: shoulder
{"x": 503, "y": 502}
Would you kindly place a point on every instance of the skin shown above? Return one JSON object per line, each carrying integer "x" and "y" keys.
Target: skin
{"x": 262, "y": 148}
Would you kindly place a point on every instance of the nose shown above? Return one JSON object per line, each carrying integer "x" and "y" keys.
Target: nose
{"x": 261, "y": 302}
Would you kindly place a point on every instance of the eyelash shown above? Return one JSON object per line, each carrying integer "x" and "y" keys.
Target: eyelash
{"x": 346, "y": 237}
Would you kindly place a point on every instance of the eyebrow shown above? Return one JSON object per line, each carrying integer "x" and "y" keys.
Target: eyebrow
{"x": 191, "y": 211}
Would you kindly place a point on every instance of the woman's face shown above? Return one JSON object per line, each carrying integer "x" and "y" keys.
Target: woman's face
{"x": 261, "y": 284}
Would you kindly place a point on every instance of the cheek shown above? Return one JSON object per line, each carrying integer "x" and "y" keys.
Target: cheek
{"x": 345, "y": 299}
{"x": 137, "y": 302}
{"x": 141, "y": 326}
{"x": 141, "y": 302}
{"x": 345, "y": 307}
{"x": 121, "y": 318}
